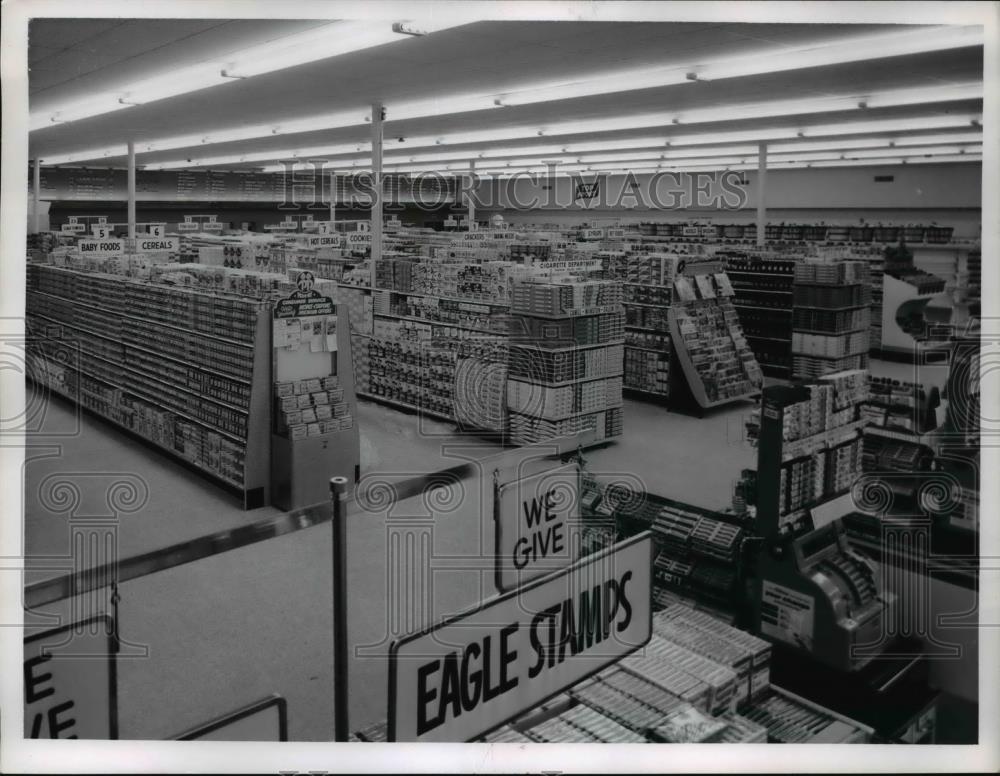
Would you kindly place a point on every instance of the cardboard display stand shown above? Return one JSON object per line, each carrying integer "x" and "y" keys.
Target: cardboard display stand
{"x": 315, "y": 431}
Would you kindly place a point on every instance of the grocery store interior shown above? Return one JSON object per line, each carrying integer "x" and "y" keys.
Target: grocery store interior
{"x": 348, "y": 339}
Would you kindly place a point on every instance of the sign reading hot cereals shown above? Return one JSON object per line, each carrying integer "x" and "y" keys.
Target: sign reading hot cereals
{"x": 471, "y": 674}
{"x": 538, "y": 525}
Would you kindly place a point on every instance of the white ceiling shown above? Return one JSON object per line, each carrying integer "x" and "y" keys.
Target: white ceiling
{"x": 70, "y": 59}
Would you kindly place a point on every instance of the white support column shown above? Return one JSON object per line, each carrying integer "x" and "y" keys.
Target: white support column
{"x": 131, "y": 189}
{"x": 333, "y": 198}
{"x": 469, "y": 199}
{"x": 376, "y": 252}
{"x": 36, "y": 205}
{"x": 761, "y": 193}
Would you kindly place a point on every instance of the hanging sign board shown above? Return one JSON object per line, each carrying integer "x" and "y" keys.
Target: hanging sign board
{"x": 156, "y": 230}
{"x": 324, "y": 240}
{"x": 73, "y": 227}
{"x": 102, "y": 248}
{"x": 101, "y": 231}
{"x": 458, "y": 680}
{"x": 188, "y": 226}
{"x": 359, "y": 238}
{"x": 155, "y": 244}
{"x": 616, "y": 234}
{"x": 537, "y": 525}
{"x": 305, "y": 300}
{"x": 70, "y": 682}
{"x": 592, "y": 234}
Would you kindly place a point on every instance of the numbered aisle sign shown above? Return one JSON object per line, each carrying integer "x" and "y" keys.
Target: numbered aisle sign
{"x": 156, "y": 230}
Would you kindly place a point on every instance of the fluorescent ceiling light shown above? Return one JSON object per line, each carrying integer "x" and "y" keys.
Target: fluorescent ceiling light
{"x": 323, "y": 42}
{"x": 839, "y": 51}
{"x": 329, "y": 40}
{"x": 836, "y": 50}
{"x": 890, "y": 125}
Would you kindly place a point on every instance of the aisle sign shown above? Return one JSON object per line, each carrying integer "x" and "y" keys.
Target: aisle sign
{"x": 458, "y": 680}
{"x": 156, "y": 230}
{"x": 592, "y": 234}
{"x": 187, "y": 226}
{"x": 324, "y": 227}
{"x": 100, "y": 231}
{"x": 73, "y": 226}
{"x": 537, "y": 525}
{"x": 359, "y": 238}
{"x": 102, "y": 248}
{"x": 324, "y": 240}
{"x": 616, "y": 234}
{"x": 155, "y": 245}
{"x": 70, "y": 682}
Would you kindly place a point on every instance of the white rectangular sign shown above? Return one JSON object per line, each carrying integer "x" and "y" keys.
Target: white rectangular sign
{"x": 155, "y": 244}
{"x": 592, "y": 234}
{"x": 187, "y": 226}
{"x": 212, "y": 226}
{"x": 458, "y": 680}
{"x": 324, "y": 241}
{"x": 538, "y": 525}
{"x": 74, "y": 227}
{"x": 70, "y": 682}
{"x": 359, "y": 238}
{"x": 101, "y": 247}
{"x": 616, "y": 234}
{"x": 100, "y": 231}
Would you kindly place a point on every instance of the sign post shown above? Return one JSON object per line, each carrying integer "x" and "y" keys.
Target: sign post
{"x": 338, "y": 494}
{"x": 472, "y": 673}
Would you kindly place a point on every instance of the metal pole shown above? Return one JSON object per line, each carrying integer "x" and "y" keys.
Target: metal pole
{"x": 36, "y": 211}
{"x": 338, "y": 495}
{"x": 131, "y": 189}
{"x": 470, "y": 200}
{"x": 761, "y": 193}
{"x": 376, "y": 252}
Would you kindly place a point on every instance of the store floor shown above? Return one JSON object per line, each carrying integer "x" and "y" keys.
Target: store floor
{"x": 198, "y": 615}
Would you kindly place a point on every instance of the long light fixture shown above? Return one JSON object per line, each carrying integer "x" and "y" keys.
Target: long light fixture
{"x": 826, "y": 52}
{"x": 323, "y": 42}
{"x": 863, "y": 127}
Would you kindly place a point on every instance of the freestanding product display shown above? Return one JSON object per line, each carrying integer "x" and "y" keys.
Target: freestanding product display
{"x": 315, "y": 430}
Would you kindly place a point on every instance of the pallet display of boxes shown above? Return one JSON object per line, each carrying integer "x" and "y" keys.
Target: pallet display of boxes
{"x": 831, "y": 317}
{"x": 565, "y": 361}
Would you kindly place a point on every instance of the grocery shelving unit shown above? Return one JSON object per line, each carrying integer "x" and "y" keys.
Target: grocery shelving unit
{"x": 763, "y": 286}
{"x": 186, "y": 371}
{"x": 706, "y": 332}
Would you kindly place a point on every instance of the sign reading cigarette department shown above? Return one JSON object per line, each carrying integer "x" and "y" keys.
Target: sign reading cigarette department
{"x": 459, "y": 680}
